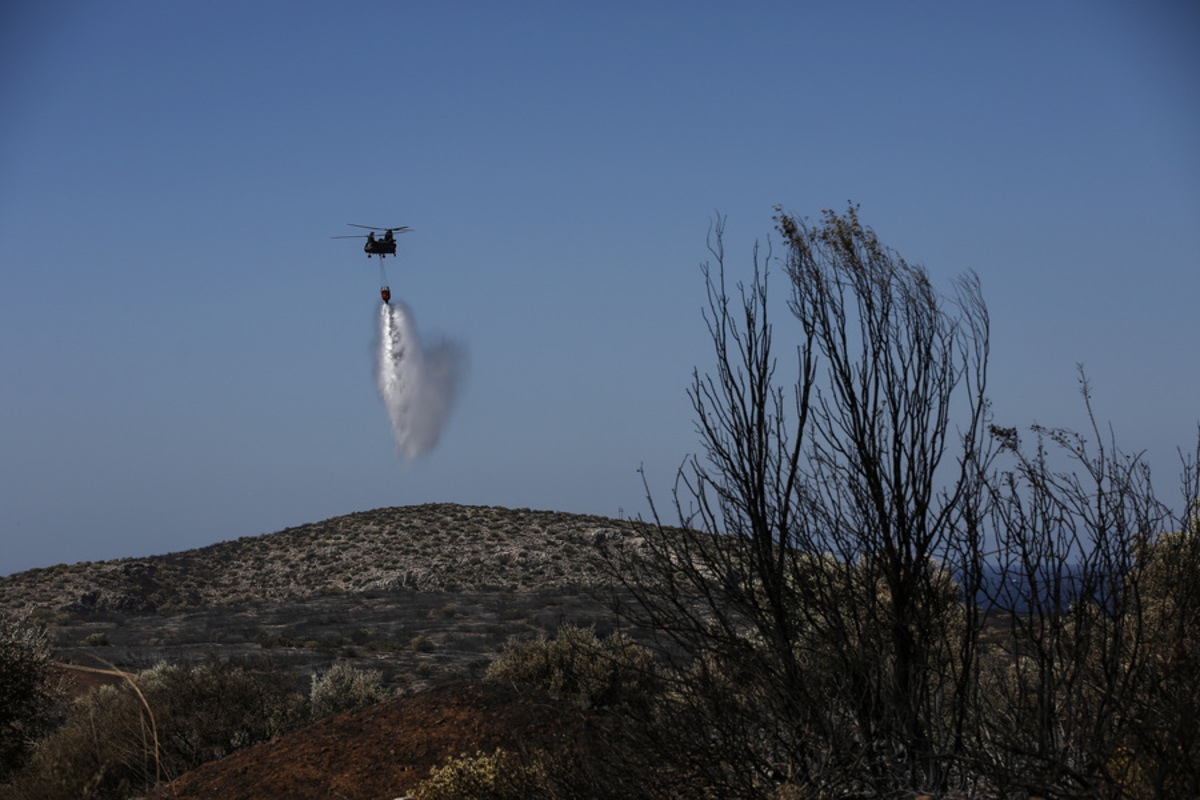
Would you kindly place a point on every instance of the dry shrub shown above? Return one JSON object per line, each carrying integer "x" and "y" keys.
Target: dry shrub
{"x": 121, "y": 740}
{"x": 1160, "y": 756}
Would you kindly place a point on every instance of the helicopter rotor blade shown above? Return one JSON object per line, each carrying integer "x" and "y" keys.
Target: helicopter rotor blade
{"x": 401, "y": 229}
{"x": 356, "y": 236}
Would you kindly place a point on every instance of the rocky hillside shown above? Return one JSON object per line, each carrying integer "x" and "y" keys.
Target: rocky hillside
{"x": 424, "y": 548}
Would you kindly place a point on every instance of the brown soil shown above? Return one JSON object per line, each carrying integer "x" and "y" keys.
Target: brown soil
{"x": 385, "y": 751}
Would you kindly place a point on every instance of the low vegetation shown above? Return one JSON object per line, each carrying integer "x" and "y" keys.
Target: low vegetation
{"x": 676, "y": 724}
{"x": 122, "y": 740}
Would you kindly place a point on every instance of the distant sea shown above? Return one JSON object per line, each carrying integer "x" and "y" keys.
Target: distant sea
{"x": 1012, "y": 593}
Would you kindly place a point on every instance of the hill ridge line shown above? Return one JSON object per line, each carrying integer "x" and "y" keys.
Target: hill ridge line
{"x": 427, "y": 547}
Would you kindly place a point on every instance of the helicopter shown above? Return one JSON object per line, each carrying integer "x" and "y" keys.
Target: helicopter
{"x": 383, "y": 246}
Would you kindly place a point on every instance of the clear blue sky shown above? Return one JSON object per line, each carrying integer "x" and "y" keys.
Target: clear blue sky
{"x": 185, "y": 353}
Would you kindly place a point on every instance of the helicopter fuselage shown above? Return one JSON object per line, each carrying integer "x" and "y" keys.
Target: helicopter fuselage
{"x": 380, "y": 248}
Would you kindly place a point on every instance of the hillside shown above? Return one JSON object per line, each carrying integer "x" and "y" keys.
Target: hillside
{"x": 426, "y": 595}
{"x": 421, "y": 594}
{"x": 437, "y": 547}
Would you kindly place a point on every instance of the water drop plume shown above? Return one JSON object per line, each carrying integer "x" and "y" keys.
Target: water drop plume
{"x": 417, "y": 385}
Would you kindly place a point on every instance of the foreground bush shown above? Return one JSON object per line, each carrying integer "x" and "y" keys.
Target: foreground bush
{"x": 28, "y": 687}
{"x": 499, "y": 776}
{"x": 568, "y": 773}
{"x": 121, "y": 740}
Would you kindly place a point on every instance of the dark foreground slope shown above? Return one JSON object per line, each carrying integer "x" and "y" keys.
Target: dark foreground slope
{"x": 386, "y": 750}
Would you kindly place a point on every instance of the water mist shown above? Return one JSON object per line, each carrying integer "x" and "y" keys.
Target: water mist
{"x": 417, "y": 385}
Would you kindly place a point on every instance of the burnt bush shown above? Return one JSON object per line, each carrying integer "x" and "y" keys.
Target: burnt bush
{"x": 874, "y": 590}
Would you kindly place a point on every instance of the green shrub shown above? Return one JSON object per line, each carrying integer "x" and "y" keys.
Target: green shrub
{"x": 343, "y": 688}
{"x": 576, "y": 665}
{"x": 500, "y": 776}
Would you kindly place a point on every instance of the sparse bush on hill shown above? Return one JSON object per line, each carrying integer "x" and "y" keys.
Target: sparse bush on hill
{"x": 381, "y": 551}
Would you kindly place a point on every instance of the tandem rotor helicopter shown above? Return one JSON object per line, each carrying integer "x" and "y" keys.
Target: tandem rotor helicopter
{"x": 382, "y": 246}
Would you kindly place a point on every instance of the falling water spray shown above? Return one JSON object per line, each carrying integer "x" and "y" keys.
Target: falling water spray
{"x": 417, "y": 385}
